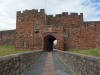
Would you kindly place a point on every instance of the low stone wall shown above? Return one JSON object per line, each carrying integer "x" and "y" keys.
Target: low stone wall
{"x": 80, "y": 64}
{"x": 16, "y": 64}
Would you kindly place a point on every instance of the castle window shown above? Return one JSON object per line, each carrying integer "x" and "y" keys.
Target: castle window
{"x": 37, "y": 27}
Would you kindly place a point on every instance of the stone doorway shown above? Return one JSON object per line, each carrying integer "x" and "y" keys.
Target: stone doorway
{"x": 49, "y": 42}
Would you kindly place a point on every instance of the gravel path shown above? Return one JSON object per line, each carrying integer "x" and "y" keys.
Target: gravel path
{"x": 38, "y": 68}
{"x": 61, "y": 68}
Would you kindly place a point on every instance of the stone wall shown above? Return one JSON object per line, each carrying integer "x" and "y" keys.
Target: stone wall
{"x": 81, "y": 64}
{"x": 16, "y": 64}
{"x": 7, "y": 37}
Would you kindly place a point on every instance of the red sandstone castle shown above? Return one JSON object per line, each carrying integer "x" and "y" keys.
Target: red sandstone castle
{"x": 37, "y": 31}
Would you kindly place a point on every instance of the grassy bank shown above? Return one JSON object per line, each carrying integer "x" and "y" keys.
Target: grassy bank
{"x": 92, "y": 52}
{"x": 6, "y": 50}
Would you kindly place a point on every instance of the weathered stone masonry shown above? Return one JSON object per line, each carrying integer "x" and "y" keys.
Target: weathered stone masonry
{"x": 81, "y": 64}
{"x": 16, "y": 64}
{"x": 7, "y": 37}
{"x": 33, "y": 28}
{"x": 69, "y": 30}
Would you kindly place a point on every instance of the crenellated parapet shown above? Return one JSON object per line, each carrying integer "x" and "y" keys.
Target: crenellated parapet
{"x": 68, "y": 14}
{"x": 33, "y": 11}
{"x": 49, "y": 16}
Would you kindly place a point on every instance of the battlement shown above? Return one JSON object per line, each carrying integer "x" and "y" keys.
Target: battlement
{"x": 36, "y": 11}
{"x": 66, "y": 14}
{"x": 49, "y": 15}
{"x": 76, "y": 14}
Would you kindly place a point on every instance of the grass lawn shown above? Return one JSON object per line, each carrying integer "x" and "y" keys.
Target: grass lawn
{"x": 92, "y": 52}
{"x": 7, "y": 49}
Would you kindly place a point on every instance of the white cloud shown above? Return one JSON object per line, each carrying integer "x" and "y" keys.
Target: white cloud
{"x": 8, "y": 9}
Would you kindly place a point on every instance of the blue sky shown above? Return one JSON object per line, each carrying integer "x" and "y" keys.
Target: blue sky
{"x": 8, "y": 8}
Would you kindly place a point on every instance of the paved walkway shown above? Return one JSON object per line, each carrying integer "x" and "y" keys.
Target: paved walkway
{"x": 49, "y": 68}
{"x": 38, "y": 67}
{"x": 48, "y": 64}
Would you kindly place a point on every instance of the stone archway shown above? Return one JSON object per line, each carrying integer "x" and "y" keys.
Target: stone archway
{"x": 48, "y": 42}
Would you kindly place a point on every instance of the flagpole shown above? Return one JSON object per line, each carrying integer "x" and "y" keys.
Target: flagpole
{"x": 45, "y": 10}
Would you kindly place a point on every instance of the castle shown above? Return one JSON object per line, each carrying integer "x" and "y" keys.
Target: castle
{"x": 37, "y": 31}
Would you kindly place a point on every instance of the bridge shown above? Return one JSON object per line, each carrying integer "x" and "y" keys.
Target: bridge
{"x": 48, "y": 64}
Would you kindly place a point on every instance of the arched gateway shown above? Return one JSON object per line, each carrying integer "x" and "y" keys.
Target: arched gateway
{"x": 49, "y": 42}
{"x": 37, "y": 31}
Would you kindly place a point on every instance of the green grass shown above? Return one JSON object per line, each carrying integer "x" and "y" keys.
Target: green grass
{"x": 91, "y": 52}
{"x": 8, "y": 49}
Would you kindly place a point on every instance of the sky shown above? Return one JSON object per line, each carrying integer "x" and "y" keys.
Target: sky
{"x": 8, "y": 9}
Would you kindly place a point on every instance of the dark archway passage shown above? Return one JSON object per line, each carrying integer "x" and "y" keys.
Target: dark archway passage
{"x": 48, "y": 42}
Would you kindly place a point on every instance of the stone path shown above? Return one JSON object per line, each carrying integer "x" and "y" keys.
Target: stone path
{"x": 38, "y": 67}
{"x": 48, "y": 64}
{"x": 49, "y": 68}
